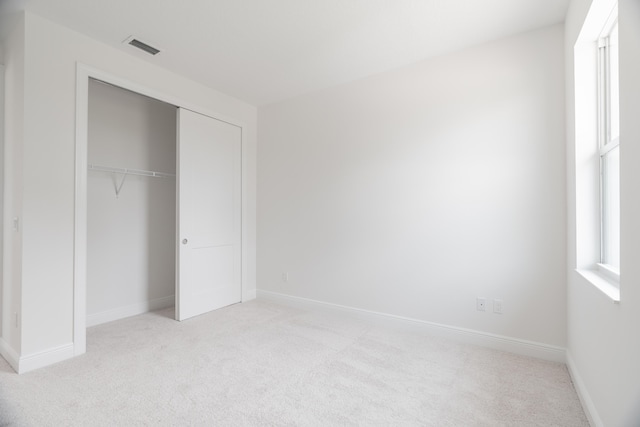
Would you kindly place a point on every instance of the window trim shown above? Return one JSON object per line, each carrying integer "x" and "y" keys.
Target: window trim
{"x": 599, "y": 21}
{"x": 605, "y": 142}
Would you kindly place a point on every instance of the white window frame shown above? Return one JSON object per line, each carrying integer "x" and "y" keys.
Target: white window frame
{"x": 605, "y": 141}
{"x": 587, "y": 151}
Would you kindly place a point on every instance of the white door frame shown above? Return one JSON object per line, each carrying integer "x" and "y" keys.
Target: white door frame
{"x": 83, "y": 74}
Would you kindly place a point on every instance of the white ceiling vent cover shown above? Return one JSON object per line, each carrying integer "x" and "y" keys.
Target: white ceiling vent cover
{"x": 136, "y": 42}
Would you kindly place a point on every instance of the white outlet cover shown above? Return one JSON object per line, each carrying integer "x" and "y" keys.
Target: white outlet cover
{"x": 497, "y": 306}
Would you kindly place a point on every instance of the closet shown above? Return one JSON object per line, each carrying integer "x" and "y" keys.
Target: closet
{"x": 164, "y": 212}
{"x": 131, "y": 204}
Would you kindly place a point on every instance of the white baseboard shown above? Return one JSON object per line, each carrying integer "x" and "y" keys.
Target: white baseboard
{"x": 22, "y": 364}
{"x": 45, "y": 358}
{"x": 129, "y": 310}
{"x": 471, "y": 336}
{"x": 9, "y": 354}
{"x": 583, "y": 393}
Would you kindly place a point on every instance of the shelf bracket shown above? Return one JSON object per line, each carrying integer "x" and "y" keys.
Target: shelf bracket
{"x": 119, "y": 187}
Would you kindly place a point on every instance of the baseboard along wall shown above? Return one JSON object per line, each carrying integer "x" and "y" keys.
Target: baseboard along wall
{"x": 583, "y": 393}
{"x": 527, "y": 348}
{"x": 29, "y": 362}
{"x": 9, "y": 354}
{"x": 45, "y": 358}
{"x": 470, "y": 336}
{"x": 129, "y": 310}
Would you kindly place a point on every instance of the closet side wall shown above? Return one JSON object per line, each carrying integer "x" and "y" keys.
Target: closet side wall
{"x": 13, "y": 133}
{"x": 1, "y": 181}
{"x": 131, "y": 236}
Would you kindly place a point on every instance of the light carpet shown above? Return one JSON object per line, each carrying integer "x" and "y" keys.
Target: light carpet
{"x": 267, "y": 363}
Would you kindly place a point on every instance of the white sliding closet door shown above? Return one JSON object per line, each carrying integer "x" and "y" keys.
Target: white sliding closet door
{"x": 209, "y": 214}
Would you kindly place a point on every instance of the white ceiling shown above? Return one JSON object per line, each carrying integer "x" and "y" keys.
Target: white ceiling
{"x": 262, "y": 51}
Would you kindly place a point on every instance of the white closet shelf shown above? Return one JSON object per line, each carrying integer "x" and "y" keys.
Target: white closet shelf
{"x": 127, "y": 171}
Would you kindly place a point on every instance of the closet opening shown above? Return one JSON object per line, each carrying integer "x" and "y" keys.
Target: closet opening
{"x": 131, "y": 204}
{"x": 158, "y": 205}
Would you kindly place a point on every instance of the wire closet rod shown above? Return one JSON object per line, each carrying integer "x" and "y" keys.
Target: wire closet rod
{"x": 128, "y": 171}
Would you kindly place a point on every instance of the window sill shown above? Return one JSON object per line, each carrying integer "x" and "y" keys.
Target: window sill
{"x": 604, "y": 284}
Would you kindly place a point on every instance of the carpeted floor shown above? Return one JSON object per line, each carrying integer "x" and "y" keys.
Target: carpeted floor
{"x": 272, "y": 363}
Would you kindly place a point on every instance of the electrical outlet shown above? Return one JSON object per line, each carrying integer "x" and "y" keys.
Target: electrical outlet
{"x": 497, "y": 306}
{"x": 285, "y": 277}
{"x": 481, "y": 304}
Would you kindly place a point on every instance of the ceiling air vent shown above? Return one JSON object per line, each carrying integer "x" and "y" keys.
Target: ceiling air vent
{"x": 141, "y": 45}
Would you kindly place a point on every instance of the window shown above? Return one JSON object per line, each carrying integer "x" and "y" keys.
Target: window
{"x": 609, "y": 148}
{"x": 597, "y": 149}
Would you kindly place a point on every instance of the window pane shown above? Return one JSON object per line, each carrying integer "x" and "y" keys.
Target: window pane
{"x": 611, "y": 208}
{"x": 614, "y": 97}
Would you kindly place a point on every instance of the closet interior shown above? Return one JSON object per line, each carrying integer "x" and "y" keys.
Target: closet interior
{"x": 131, "y": 204}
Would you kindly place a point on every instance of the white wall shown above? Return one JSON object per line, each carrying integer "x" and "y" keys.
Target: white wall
{"x": 603, "y": 339}
{"x": 48, "y": 164}
{"x": 415, "y": 191}
{"x": 131, "y": 236}
{"x": 1, "y": 173}
{"x": 14, "y": 58}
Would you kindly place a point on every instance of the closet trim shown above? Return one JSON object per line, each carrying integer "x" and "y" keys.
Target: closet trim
{"x": 83, "y": 74}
